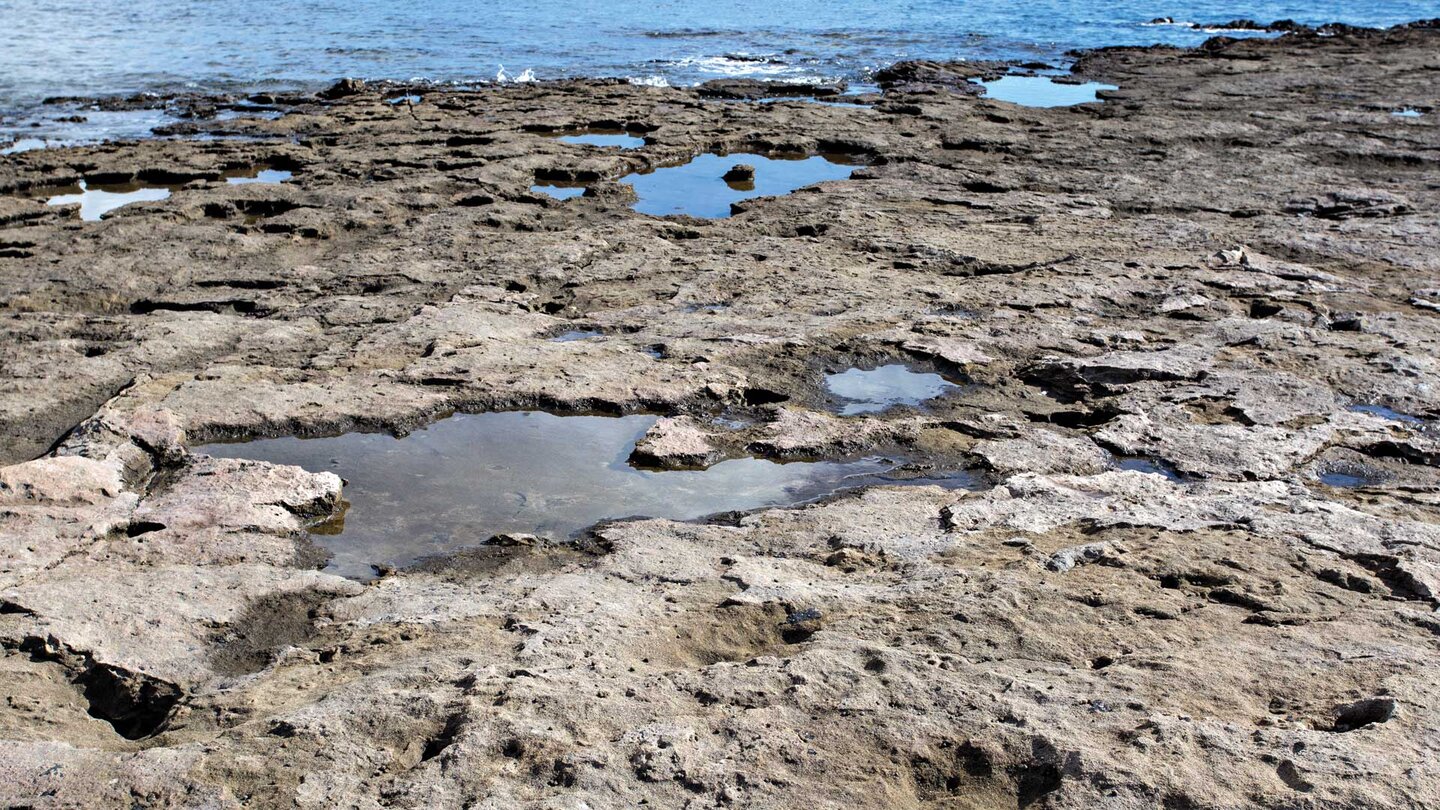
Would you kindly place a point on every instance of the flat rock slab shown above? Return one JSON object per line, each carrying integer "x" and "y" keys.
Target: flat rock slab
{"x": 1227, "y": 267}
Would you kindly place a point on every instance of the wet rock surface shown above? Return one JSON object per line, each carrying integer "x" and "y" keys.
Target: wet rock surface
{"x": 1205, "y": 271}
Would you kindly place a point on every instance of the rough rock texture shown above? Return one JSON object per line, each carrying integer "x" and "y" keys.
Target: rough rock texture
{"x": 675, "y": 442}
{"x": 1203, "y": 274}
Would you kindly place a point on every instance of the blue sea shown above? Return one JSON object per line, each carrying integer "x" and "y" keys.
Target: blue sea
{"x": 104, "y": 47}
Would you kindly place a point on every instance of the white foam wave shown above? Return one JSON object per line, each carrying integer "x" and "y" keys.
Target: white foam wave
{"x": 737, "y": 65}
{"x": 648, "y": 81}
{"x": 526, "y": 75}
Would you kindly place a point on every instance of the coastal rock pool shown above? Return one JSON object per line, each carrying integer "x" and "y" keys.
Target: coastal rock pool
{"x": 1043, "y": 91}
{"x": 699, "y": 188}
{"x": 1350, "y": 477}
{"x": 258, "y": 174}
{"x": 616, "y": 139}
{"x": 558, "y": 192}
{"x": 869, "y": 391}
{"x": 1150, "y": 466}
{"x": 98, "y": 200}
{"x": 574, "y": 335}
{"x": 464, "y": 479}
{"x": 1387, "y": 413}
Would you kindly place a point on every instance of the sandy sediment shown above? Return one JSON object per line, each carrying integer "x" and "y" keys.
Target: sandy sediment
{"x": 1206, "y": 271}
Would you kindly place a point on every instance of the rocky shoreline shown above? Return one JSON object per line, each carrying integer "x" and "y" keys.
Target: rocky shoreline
{"x": 1227, "y": 272}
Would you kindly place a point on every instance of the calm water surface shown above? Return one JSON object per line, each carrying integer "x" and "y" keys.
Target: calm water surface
{"x": 614, "y": 140}
{"x": 97, "y": 201}
{"x": 699, "y": 188}
{"x": 457, "y": 482}
{"x": 1041, "y": 91}
{"x": 877, "y": 389}
{"x": 559, "y": 192}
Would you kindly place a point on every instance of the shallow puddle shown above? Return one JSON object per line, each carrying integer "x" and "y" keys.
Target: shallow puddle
{"x": 1349, "y": 479}
{"x": 699, "y": 188}
{"x": 464, "y": 479}
{"x": 99, "y": 200}
{"x": 559, "y": 192}
{"x": 1407, "y": 112}
{"x": 609, "y": 139}
{"x": 1150, "y": 466}
{"x": 868, "y": 391}
{"x": 1387, "y": 413}
{"x": 258, "y": 174}
{"x": 574, "y": 335}
{"x": 1042, "y": 91}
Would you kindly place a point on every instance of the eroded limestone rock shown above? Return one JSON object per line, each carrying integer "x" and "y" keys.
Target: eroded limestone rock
{"x": 1207, "y": 269}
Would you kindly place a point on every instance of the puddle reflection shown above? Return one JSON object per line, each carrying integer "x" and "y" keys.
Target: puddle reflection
{"x": 1041, "y": 91}
{"x": 607, "y": 139}
{"x": 464, "y": 479}
{"x": 873, "y": 390}
{"x": 258, "y": 174}
{"x": 99, "y": 200}
{"x": 699, "y": 188}
{"x": 1148, "y": 465}
{"x": 559, "y": 192}
{"x": 574, "y": 335}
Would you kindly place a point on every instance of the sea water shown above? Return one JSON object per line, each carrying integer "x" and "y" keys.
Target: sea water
{"x": 82, "y": 48}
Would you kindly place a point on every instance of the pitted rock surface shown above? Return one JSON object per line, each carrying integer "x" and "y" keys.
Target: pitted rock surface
{"x": 1208, "y": 270}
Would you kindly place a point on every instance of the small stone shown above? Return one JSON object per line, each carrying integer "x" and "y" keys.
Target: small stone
{"x": 740, "y": 173}
{"x": 341, "y": 89}
{"x": 675, "y": 442}
{"x": 1234, "y": 257}
{"x": 1068, "y": 558}
{"x": 513, "y": 540}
